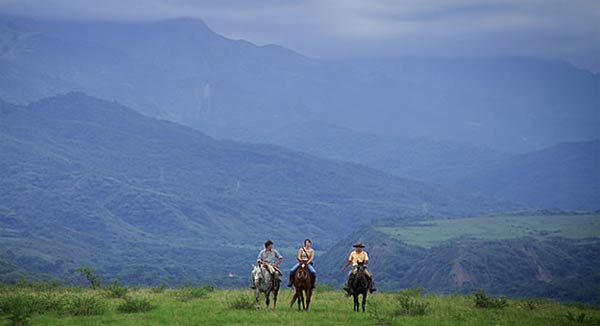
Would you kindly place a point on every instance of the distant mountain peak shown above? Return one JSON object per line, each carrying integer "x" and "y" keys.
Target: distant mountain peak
{"x": 185, "y": 25}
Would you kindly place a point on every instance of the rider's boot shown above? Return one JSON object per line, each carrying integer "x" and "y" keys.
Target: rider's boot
{"x": 347, "y": 285}
{"x": 291, "y": 281}
{"x": 313, "y": 282}
{"x": 372, "y": 285}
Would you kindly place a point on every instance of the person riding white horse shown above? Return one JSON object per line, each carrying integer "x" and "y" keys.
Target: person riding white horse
{"x": 270, "y": 259}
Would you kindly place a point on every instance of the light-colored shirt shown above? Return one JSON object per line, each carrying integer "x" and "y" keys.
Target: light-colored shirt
{"x": 270, "y": 257}
{"x": 356, "y": 257}
{"x": 306, "y": 253}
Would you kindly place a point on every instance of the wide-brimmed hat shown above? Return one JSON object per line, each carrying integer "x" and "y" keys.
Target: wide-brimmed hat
{"x": 359, "y": 245}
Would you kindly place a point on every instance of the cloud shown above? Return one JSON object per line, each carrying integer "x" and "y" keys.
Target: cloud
{"x": 567, "y": 30}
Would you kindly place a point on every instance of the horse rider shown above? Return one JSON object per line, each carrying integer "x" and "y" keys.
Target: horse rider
{"x": 271, "y": 259}
{"x": 306, "y": 255}
{"x": 358, "y": 256}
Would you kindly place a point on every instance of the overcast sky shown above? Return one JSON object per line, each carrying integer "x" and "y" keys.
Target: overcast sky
{"x": 557, "y": 29}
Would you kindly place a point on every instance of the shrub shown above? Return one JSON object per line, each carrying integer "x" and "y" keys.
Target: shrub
{"x": 483, "y": 301}
{"x": 529, "y": 305}
{"x": 159, "y": 289}
{"x": 379, "y": 318}
{"x": 410, "y": 306}
{"x": 20, "y": 307}
{"x": 90, "y": 276}
{"x": 116, "y": 290}
{"x": 412, "y": 292}
{"x": 133, "y": 305}
{"x": 45, "y": 286}
{"x": 83, "y": 305}
{"x": 572, "y": 319}
{"x": 188, "y": 293}
{"x": 242, "y": 303}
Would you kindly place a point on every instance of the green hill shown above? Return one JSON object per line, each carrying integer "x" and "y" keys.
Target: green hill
{"x": 90, "y": 182}
{"x": 520, "y": 256}
{"x": 565, "y": 176}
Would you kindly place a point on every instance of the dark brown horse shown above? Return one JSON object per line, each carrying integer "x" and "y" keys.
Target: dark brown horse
{"x": 302, "y": 282}
{"x": 360, "y": 285}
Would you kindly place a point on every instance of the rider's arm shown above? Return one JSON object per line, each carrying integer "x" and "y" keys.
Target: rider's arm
{"x": 347, "y": 263}
{"x": 311, "y": 258}
{"x": 279, "y": 261}
{"x": 300, "y": 254}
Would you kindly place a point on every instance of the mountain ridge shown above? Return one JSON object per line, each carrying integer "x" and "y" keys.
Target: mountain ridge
{"x": 514, "y": 105}
{"x": 104, "y": 182}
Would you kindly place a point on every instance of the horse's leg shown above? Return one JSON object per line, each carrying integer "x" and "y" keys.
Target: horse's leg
{"x": 257, "y": 294}
{"x": 267, "y": 299}
{"x": 355, "y": 296}
{"x": 364, "y": 301}
{"x": 294, "y": 299}
{"x": 275, "y": 298}
{"x": 308, "y": 295}
{"x": 302, "y": 292}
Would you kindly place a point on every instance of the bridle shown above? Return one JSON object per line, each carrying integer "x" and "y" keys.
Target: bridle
{"x": 302, "y": 272}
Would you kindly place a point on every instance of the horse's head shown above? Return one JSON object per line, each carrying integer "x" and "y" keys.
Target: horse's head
{"x": 360, "y": 267}
{"x": 302, "y": 272}
{"x": 256, "y": 274}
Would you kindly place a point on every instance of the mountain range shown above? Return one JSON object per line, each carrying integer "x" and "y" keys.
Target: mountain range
{"x": 165, "y": 152}
{"x": 183, "y": 71}
{"x": 88, "y": 180}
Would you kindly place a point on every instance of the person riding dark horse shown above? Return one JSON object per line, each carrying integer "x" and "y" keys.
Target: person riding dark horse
{"x": 306, "y": 255}
{"x": 358, "y": 256}
{"x": 270, "y": 259}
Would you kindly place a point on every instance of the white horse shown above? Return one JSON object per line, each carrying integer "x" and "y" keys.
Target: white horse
{"x": 266, "y": 283}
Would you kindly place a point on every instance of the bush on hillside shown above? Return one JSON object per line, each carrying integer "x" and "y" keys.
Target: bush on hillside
{"x": 85, "y": 305}
{"x": 412, "y": 292}
{"x": 116, "y": 290}
{"x": 158, "y": 289}
{"x": 192, "y": 292}
{"x": 90, "y": 276}
{"x": 410, "y": 306}
{"x": 242, "y": 303}
{"x": 20, "y": 307}
{"x": 483, "y": 301}
{"x": 133, "y": 305}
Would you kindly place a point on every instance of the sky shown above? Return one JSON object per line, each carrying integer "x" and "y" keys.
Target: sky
{"x": 567, "y": 30}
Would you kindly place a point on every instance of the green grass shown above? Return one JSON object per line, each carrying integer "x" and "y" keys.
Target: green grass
{"x": 230, "y": 307}
{"x": 429, "y": 233}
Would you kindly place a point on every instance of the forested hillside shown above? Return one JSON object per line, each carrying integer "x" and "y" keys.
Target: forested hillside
{"x": 86, "y": 181}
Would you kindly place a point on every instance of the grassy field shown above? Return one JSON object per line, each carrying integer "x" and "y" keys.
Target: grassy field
{"x": 429, "y": 233}
{"x": 204, "y": 306}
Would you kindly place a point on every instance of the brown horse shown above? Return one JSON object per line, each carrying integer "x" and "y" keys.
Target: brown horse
{"x": 302, "y": 282}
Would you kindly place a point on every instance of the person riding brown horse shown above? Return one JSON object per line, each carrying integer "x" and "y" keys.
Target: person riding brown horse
{"x": 305, "y": 254}
{"x": 302, "y": 282}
